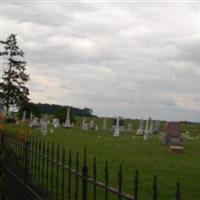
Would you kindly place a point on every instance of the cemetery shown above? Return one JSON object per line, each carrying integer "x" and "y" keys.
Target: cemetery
{"x": 104, "y": 104}
{"x": 169, "y": 150}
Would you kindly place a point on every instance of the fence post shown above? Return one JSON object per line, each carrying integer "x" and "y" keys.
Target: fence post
{"x": 106, "y": 180}
{"x": 63, "y": 174}
{"x": 155, "y": 188}
{"x": 84, "y": 176}
{"x": 136, "y": 183}
{"x": 76, "y": 179}
{"x": 178, "y": 193}
{"x": 25, "y": 160}
{"x": 95, "y": 178}
{"x": 120, "y": 182}
{"x": 2, "y": 189}
{"x": 57, "y": 171}
{"x": 2, "y": 140}
{"x": 69, "y": 174}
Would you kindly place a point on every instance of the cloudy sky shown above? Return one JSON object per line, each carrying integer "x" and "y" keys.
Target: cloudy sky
{"x": 133, "y": 59}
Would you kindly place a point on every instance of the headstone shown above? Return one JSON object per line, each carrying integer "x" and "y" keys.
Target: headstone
{"x": 105, "y": 124}
{"x": 24, "y": 116}
{"x": 56, "y": 123}
{"x": 172, "y": 133}
{"x": 41, "y": 120}
{"x": 51, "y": 130}
{"x": 44, "y": 128}
{"x": 146, "y": 131}
{"x": 117, "y": 128}
{"x": 30, "y": 124}
{"x": 120, "y": 126}
{"x": 157, "y": 126}
{"x": 45, "y": 117}
{"x": 92, "y": 124}
{"x": 35, "y": 123}
{"x": 84, "y": 126}
{"x": 96, "y": 127}
{"x": 130, "y": 127}
{"x": 31, "y": 116}
{"x": 151, "y": 127}
{"x": 67, "y": 121}
{"x": 140, "y": 130}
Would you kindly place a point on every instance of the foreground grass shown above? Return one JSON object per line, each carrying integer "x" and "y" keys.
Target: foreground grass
{"x": 149, "y": 157}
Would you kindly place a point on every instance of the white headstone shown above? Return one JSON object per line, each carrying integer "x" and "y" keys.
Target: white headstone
{"x": 56, "y": 123}
{"x": 41, "y": 120}
{"x": 130, "y": 127}
{"x": 31, "y": 116}
{"x": 51, "y": 130}
{"x": 84, "y": 126}
{"x": 46, "y": 118}
{"x": 92, "y": 124}
{"x": 105, "y": 124}
{"x": 157, "y": 126}
{"x": 67, "y": 121}
{"x": 140, "y": 130}
{"x": 44, "y": 128}
{"x": 24, "y": 116}
{"x": 151, "y": 128}
{"x": 35, "y": 123}
{"x": 146, "y": 131}
{"x": 117, "y": 130}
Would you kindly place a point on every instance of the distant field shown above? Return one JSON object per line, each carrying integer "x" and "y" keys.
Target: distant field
{"x": 149, "y": 157}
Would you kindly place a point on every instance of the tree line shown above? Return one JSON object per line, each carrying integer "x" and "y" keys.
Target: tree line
{"x": 13, "y": 90}
{"x": 58, "y": 111}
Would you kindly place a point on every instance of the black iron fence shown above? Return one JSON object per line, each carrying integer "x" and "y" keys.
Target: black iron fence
{"x": 43, "y": 170}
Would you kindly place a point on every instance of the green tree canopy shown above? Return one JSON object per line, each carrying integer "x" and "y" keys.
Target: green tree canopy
{"x": 62, "y": 113}
{"x": 29, "y": 108}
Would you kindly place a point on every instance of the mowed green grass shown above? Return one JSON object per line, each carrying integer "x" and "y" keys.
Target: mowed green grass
{"x": 149, "y": 157}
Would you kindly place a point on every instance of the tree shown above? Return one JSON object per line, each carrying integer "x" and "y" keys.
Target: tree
{"x": 62, "y": 113}
{"x": 29, "y": 107}
{"x": 13, "y": 91}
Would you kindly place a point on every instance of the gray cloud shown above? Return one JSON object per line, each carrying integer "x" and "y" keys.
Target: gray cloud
{"x": 130, "y": 59}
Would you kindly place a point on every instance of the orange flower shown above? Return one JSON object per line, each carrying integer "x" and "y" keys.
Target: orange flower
{"x": 2, "y": 126}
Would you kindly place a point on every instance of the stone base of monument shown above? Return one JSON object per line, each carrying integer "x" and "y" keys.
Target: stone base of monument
{"x": 121, "y": 128}
{"x": 67, "y": 126}
{"x": 116, "y": 132}
{"x": 176, "y": 149}
{"x": 174, "y": 141}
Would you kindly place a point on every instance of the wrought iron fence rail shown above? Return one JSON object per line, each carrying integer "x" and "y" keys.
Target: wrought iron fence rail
{"x": 47, "y": 166}
{"x": 21, "y": 182}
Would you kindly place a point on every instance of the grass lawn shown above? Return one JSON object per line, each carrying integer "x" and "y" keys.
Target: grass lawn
{"x": 149, "y": 157}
